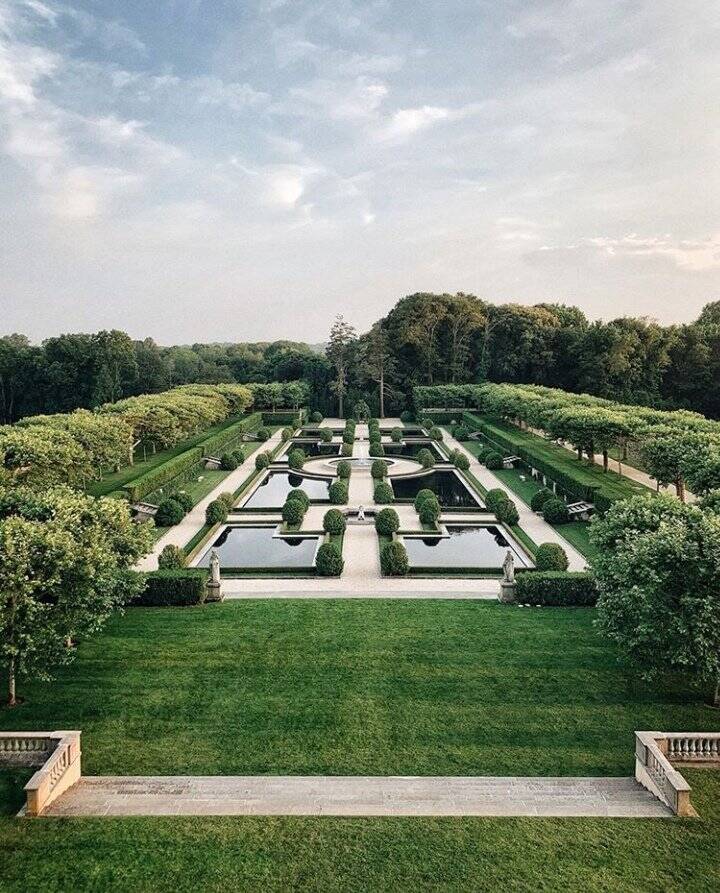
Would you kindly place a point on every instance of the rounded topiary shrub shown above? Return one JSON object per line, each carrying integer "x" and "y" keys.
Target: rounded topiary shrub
{"x": 460, "y": 432}
{"x": 343, "y": 470}
{"x": 425, "y": 458}
{"x": 338, "y": 492}
{"x": 422, "y": 496}
{"x": 169, "y": 512}
{"x": 326, "y": 435}
{"x": 346, "y": 449}
{"x": 406, "y": 417}
{"x": 216, "y": 512}
{"x": 329, "y": 561}
{"x": 493, "y": 498}
{"x": 316, "y": 417}
{"x": 299, "y": 494}
{"x": 387, "y": 522}
{"x": 171, "y": 558}
{"x": 293, "y": 511}
{"x": 348, "y": 437}
{"x": 263, "y": 434}
{"x": 262, "y": 460}
{"x": 436, "y": 433}
{"x": 185, "y": 500}
{"x": 507, "y": 513}
{"x": 334, "y": 522}
{"x": 555, "y": 511}
{"x": 376, "y": 449}
{"x": 383, "y": 493}
{"x": 493, "y": 460}
{"x": 287, "y": 433}
{"x": 551, "y": 557}
{"x": 239, "y": 456}
{"x": 396, "y": 435}
{"x": 461, "y": 461}
{"x": 227, "y": 498}
{"x": 710, "y": 502}
{"x": 379, "y": 469}
{"x": 427, "y": 422}
{"x": 227, "y": 462}
{"x": 296, "y": 459}
{"x": 429, "y": 512}
{"x": 537, "y": 503}
{"x": 394, "y": 560}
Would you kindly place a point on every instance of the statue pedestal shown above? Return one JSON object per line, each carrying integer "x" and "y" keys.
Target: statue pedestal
{"x": 507, "y": 593}
{"x": 214, "y": 592}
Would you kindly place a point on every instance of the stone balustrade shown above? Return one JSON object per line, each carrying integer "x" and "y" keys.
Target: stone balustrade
{"x": 693, "y": 747}
{"x": 58, "y": 756}
{"x": 654, "y": 770}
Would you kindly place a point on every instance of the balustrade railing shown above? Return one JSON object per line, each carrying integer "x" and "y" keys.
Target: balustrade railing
{"x": 57, "y": 754}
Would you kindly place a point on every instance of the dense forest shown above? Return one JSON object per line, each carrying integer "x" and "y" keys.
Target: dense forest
{"x": 425, "y": 339}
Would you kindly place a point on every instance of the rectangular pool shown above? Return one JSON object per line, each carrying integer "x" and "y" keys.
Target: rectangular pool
{"x": 409, "y": 450}
{"x": 451, "y": 490}
{"x": 481, "y": 547}
{"x": 312, "y": 448}
{"x": 256, "y": 548}
{"x": 273, "y": 491}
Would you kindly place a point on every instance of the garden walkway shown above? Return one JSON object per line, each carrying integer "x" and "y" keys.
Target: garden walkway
{"x": 357, "y": 796}
{"x": 536, "y": 527}
{"x": 182, "y": 533}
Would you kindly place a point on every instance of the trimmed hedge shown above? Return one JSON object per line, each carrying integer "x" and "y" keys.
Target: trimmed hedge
{"x": 493, "y": 460}
{"x": 174, "y": 587}
{"x": 296, "y": 459}
{"x": 507, "y": 513}
{"x": 185, "y": 500}
{"x": 228, "y": 462}
{"x": 217, "y": 444}
{"x": 334, "y": 522}
{"x": 326, "y": 435}
{"x": 293, "y": 511}
{"x": 424, "y": 496}
{"x": 436, "y": 433}
{"x": 172, "y": 558}
{"x": 329, "y": 561}
{"x": 169, "y": 513}
{"x": 387, "y": 522}
{"x": 555, "y": 511}
{"x": 556, "y": 588}
{"x": 494, "y": 498}
{"x": 163, "y": 474}
{"x": 406, "y": 417}
{"x": 396, "y": 435}
{"x": 394, "y": 560}
{"x": 379, "y": 469}
{"x": 317, "y": 417}
{"x": 383, "y": 493}
{"x": 338, "y": 492}
{"x": 537, "y": 503}
{"x": 292, "y": 417}
{"x": 425, "y": 458}
{"x": 376, "y": 448}
{"x": 551, "y": 557}
{"x": 343, "y": 470}
{"x": 300, "y": 495}
{"x": 346, "y": 449}
{"x": 216, "y": 512}
{"x": 262, "y": 460}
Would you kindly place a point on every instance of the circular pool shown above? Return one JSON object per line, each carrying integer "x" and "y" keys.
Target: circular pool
{"x": 361, "y": 461}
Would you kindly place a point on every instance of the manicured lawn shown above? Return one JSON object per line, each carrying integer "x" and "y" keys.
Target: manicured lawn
{"x": 415, "y": 687}
{"x": 577, "y": 533}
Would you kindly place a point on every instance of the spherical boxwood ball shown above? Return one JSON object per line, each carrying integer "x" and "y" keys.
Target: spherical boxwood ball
{"x": 436, "y": 433}
{"x": 216, "y": 512}
{"x": 423, "y": 496}
{"x": 394, "y": 560}
{"x": 262, "y": 460}
{"x": 493, "y": 498}
{"x": 406, "y": 417}
{"x": 425, "y": 458}
{"x": 334, "y": 522}
{"x": 329, "y": 561}
{"x": 296, "y": 459}
{"x": 383, "y": 493}
{"x": 171, "y": 558}
{"x": 326, "y": 435}
{"x": 555, "y": 511}
{"x": 387, "y": 522}
{"x": 537, "y": 503}
{"x": 551, "y": 557}
{"x": 379, "y": 469}
{"x": 169, "y": 513}
{"x": 293, "y": 511}
{"x": 263, "y": 434}
{"x": 343, "y": 469}
{"x": 429, "y": 513}
{"x": 460, "y": 432}
{"x": 396, "y": 435}
{"x": 316, "y": 417}
{"x": 239, "y": 456}
{"x": 185, "y": 500}
{"x": 346, "y": 449}
{"x": 338, "y": 492}
{"x": 227, "y": 462}
{"x": 376, "y": 449}
{"x": 507, "y": 513}
{"x": 461, "y": 461}
{"x": 493, "y": 460}
{"x": 299, "y": 494}
{"x": 227, "y": 498}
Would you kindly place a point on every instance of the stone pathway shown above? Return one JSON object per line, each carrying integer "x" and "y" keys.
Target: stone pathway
{"x": 357, "y": 796}
{"x": 182, "y": 533}
{"x": 535, "y": 526}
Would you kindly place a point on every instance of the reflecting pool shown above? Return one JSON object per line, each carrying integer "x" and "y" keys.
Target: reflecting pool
{"x": 411, "y": 449}
{"x": 256, "y": 547}
{"x": 477, "y": 547}
{"x": 312, "y": 448}
{"x": 273, "y": 491}
{"x": 451, "y": 490}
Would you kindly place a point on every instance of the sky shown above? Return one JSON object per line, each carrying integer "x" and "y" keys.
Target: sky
{"x": 220, "y": 170}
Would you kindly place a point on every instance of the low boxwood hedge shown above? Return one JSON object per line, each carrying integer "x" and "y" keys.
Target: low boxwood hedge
{"x": 551, "y": 557}
{"x": 174, "y": 587}
{"x": 556, "y": 588}
{"x": 174, "y": 469}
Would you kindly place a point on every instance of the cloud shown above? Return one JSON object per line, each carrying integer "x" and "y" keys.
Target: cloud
{"x": 355, "y": 100}
{"x": 406, "y": 122}
{"x": 698, "y": 255}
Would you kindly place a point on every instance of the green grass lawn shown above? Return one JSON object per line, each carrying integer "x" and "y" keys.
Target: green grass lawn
{"x": 357, "y": 687}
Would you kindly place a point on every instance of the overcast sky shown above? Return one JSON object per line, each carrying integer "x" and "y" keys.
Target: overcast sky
{"x": 203, "y": 170}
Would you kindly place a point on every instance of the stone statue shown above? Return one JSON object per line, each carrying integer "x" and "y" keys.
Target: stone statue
{"x": 509, "y": 568}
{"x": 215, "y": 568}
{"x": 361, "y": 513}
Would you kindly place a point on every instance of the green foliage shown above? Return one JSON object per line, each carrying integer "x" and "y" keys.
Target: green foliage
{"x": 172, "y": 558}
{"x": 329, "y": 561}
{"x": 263, "y": 434}
{"x": 230, "y": 436}
{"x": 460, "y": 432}
{"x": 407, "y": 417}
{"x": 338, "y": 492}
{"x": 383, "y": 493}
{"x": 316, "y": 417}
{"x": 460, "y": 460}
{"x": 177, "y": 588}
{"x": 362, "y": 410}
{"x": 396, "y": 435}
{"x": 387, "y": 522}
{"x": 293, "y": 511}
{"x": 238, "y": 457}
{"x": 376, "y": 448}
{"x": 379, "y": 469}
{"x": 424, "y": 496}
{"x": 492, "y": 460}
{"x": 172, "y": 470}
{"x": 436, "y": 433}
{"x": 710, "y": 502}
{"x": 185, "y": 500}
{"x": 538, "y": 500}
{"x": 555, "y": 511}
{"x": 556, "y": 588}
{"x": 429, "y": 513}
{"x": 346, "y": 449}
{"x": 286, "y": 434}
{"x": 551, "y": 557}
{"x": 228, "y": 462}
{"x": 425, "y": 458}
{"x": 299, "y": 494}
{"x": 494, "y": 498}
{"x": 326, "y": 435}
{"x": 296, "y": 459}
{"x": 216, "y": 512}
{"x": 334, "y": 522}
{"x": 348, "y": 437}
{"x": 394, "y": 559}
{"x": 344, "y": 470}
{"x": 228, "y": 499}
{"x": 507, "y": 513}
{"x": 169, "y": 513}
{"x": 262, "y": 460}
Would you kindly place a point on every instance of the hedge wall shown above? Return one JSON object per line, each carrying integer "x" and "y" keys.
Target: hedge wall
{"x": 216, "y": 445}
{"x": 556, "y": 588}
{"x": 163, "y": 474}
{"x": 294, "y": 417}
{"x": 176, "y": 587}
